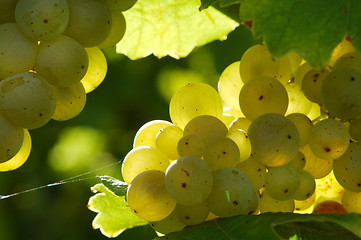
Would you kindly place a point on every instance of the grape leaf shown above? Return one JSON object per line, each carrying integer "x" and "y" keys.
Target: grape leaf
{"x": 275, "y": 226}
{"x": 171, "y": 27}
{"x": 118, "y": 187}
{"x": 114, "y": 216}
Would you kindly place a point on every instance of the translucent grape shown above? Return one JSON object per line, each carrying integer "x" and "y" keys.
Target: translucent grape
{"x": 315, "y": 112}
{"x": 329, "y": 139}
{"x": 350, "y": 59}
{"x": 227, "y": 119}
{"x": 191, "y": 145}
{"x": 42, "y": 20}
{"x": 11, "y": 139}
{"x": 282, "y": 182}
{"x": 89, "y": 22}
{"x": 141, "y": 159}
{"x": 7, "y": 11}
{"x": 120, "y": 5}
{"x": 255, "y": 170}
{"x": 318, "y": 167}
{"x": 168, "y": 224}
{"x": 307, "y": 186}
{"x": 297, "y": 102}
{"x": 167, "y": 140}
{"x": 148, "y": 198}
{"x": 70, "y": 101}
{"x": 329, "y": 206}
{"x": 192, "y": 100}
{"x": 268, "y": 204}
{"x": 347, "y": 168}
{"x": 117, "y": 31}
{"x": 18, "y": 52}
{"x": 303, "y": 125}
{"x": 274, "y": 139}
{"x": 192, "y": 215}
{"x": 263, "y": 95}
{"x": 222, "y": 152}
{"x": 329, "y": 188}
{"x": 298, "y": 162}
{"x": 341, "y": 49}
{"x": 253, "y": 207}
{"x": 207, "y": 127}
{"x": 231, "y": 194}
{"x": 97, "y": 69}
{"x": 146, "y": 135}
{"x": 20, "y": 158}
{"x": 240, "y": 123}
{"x": 351, "y": 201}
{"x": 305, "y": 206}
{"x": 312, "y": 84}
{"x": 300, "y": 73}
{"x": 355, "y": 129}
{"x": 27, "y": 100}
{"x": 258, "y": 61}
{"x": 241, "y": 139}
{"x": 345, "y": 83}
{"x": 189, "y": 180}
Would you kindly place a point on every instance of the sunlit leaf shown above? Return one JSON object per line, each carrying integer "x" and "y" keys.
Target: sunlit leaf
{"x": 118, "y": 187}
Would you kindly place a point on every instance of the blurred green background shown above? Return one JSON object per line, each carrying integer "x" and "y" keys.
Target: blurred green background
{"x": 133, "y": 93}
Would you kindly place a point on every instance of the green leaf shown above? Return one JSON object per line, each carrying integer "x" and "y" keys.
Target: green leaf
{"x": 311, "y": 28}
{"x": 171, "y": 27}
{"x": 275, "y": 226}
{"x": 118, "y": 187}
{"x": 114, "y": 216}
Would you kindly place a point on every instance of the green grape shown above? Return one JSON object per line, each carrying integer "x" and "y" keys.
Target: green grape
{"x": 315, "y": 112}
{"x": 168, "y": 224}
{"x": 305, "y": 206}
{"x": 257, "y": 61}
{"x": 117, "y": 31}
{"x": 222, "y": 152}
{"x": 341, "y": 49}
{"x": 141, "y": 159}
{"x": 347, "y": 168}
{"x": 318, "y": 167}
{"x": 282, "y": 182}
{"x": 191, "y": 145}
{"x": 274, "y": 139}
{"x": 240, "y": 123}
{"x": 227, "y": 119}
{"x": 21, "y": 156}
{"x": 297, "y": 102}
{"x": 341, "y": 93}
{"x": 189, "y": 180}
{"x": 240, "y": 137}
{"x": 62, "y": 61}
{"x": 90, "y": 22}
{"x": 148, "y": 198}
{"x": 231, "y": 194}
{"x": 11, "y": 139}
{"x": 328, "y": 188}
{"x": 18, "y": 52}
{"x": 312, "y": 84}
{"x": 355, "y": 129}
{"x": 329, "y": 139}
{"x": 120, "y": 5}
{"x": 148, "y": 132}
{"x": 351, "y": 201}
{"x": 253, "y": 207}
{"x": 207, "y": 127}
{"x": 237, "y": 113}
{"x": 192, "y": 215}
{"x": 42, "y": 20}
{"x": 303, "y": 125}
{"x": 230, "y": 85}
{"x": 307, "y": 186}
{"x": 192, "y": 100}
{"x": 262, "y": 95}
{"x": 7, "y": 11}
{"x": 300, "y": 73}
{"x": 350, "y": 59}
{"x": 268, "y": 204}
{"x": 299, "y": 161}
{"x": 167, "y": 140}
{"x": 97, "y": 69}
{"x": 255, "y": 170}
{"x": 70, "y": 101}
{"x": 27, "y": 100}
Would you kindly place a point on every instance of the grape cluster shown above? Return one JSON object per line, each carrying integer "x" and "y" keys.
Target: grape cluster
{"x": 50, "y": 58}
{"x": 278, "y": 135}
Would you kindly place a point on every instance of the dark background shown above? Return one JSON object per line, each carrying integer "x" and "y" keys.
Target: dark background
{"x": 133, "y": 93}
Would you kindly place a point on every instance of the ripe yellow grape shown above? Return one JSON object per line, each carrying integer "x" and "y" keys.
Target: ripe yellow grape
{"x": 307, "y": 186}
{"x": 297, "y": 102}
{"x": 117, "y": 31}
{"x": 268, "y": 204}
{"x": 350, "y": 59}
{"x": 305, "y": 206}
{"x": 191, "y": 145}
{"x": 303, "y": 125}
{"x": 146, "y": 135}
{"x": 227, "y": 119}
{"x": 240, "y": 123}
{"x": 167, "y": 140}
{"x": 256, "y": 172}
{"x": 148, "y": 198}
{"x": 341, "y": 49}
{"x": 168, "y": 224}
{"x": 192, "y": 215}
{"x": 299, "y": 161}
{"x": 351, "y": 201}
{"x": 312, "y": 84}
{"x": 11, "y": 139}
{"x": 240, "y": 137}
{"x": 318, "y": 167}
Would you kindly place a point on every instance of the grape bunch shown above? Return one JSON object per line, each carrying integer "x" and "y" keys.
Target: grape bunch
{"x": 278, "y": 136}
{"x": 50, "y": 58}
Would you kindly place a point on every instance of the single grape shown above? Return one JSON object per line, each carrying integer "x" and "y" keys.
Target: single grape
{"x": 312, "y": 84}
{"x": 298, "y": 162}
{"x": 189, "y": 180}
{"x": 18, "y": 52}
{"x": 120, "y": 5}
{"x": 262, "y": 95}
{"x": 117, "y": 31}
{"x": 90, "y": 22}
{"x": 97, "y": 69}
{"x": 231, "y": 194}
{"x": 7, "y": 11}
{"x": 42, "y": 20}
{"x": 307, "y": 186}
{"x": 329, "y": 207}
{"x": 168, "y": 224}
{"x": 318, "y": 167}
{"x": 191, "y": 145}
{"x": 240, "y": 123}
{"x": 351, "y": 201}
{"x": 241, "y": 139}
{"x": 341, "y": 49}
{"x": 268, "y": 204}
{"x": 256, "y": 172}
{"x": 329, "y": 139}
{"x": 274, "y": 139}
{"x": 192, "y": 100}
{"x": 297, "y": 102}
{"x": 11, "y": 139}
{"x": 27, "y": 100}
{"x": 329, "y": 188}
{"x": 146, "y": 135}
{"x": 148, "y": 198}
{"x": 70, "y": 101}
{"x": 141, "y": 159}
{"x": 350, "y": 59}
{"x": 303, "y": 125}
{"x": 167, "y": 140}
{"x": 355, "y": 129}
{"x": 227, "y": 119}
{"x": 305, "y": 206}
{"x": 192, "y": 215}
